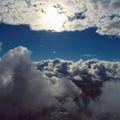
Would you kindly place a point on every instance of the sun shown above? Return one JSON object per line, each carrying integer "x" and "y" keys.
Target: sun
{"x": 54, "y": 19}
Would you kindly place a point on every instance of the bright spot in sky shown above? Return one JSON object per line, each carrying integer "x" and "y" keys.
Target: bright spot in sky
{"x": 54, "y": 52}
{"x": 54, "y": 18}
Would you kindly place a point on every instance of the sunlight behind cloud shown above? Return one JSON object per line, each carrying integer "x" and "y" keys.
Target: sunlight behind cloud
{"x": 63, "y": 15}
{"x": 54, "y": 19}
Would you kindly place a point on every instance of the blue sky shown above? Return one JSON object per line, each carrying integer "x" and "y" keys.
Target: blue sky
{"x": 75, "y": 45}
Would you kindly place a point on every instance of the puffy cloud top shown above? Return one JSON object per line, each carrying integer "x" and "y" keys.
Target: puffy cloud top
{"x": 64, "y": 15}
{"x": 1, "y": 45}
{"x": 93, "y": 70}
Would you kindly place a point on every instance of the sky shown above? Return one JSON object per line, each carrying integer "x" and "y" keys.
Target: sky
{"x": 34, "y": 84}
{"x": 50, "y": 29}
{"x": 66, "y": 45}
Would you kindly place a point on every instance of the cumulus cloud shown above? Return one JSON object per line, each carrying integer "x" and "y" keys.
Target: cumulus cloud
{"x": 19, "y": 82}
{"x": 92, "y": 70}
{"x": 74, "y": 14}
{"x": 24, "y": 89}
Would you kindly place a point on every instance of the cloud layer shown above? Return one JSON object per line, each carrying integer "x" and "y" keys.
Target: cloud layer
{"x": 77, "y": 14}
{"x": 57, "y": 89}
{"x": 92, "y": 70}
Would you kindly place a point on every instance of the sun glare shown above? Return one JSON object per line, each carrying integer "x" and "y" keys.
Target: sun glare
{"x": 54, "y": 19}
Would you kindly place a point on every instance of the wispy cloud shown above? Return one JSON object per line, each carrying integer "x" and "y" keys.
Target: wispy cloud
{"x": 88, "y": 55}
{"x": 1, "y": 43}
{"x": 74, "y": 14}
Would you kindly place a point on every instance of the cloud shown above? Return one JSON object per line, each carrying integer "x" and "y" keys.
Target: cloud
{"x": 1, "y": 43}
{"x": 92, "y": 70}
{"x": 25, "y": 92}
{"x": 83, "y": 15}
{"x": 88, "y": 55}
{"x": 107, "y": 106}
{"x": 57, "y": 88}
{"x": 99, "y": 81}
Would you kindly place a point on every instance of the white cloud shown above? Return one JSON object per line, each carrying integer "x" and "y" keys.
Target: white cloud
{"x": 92, "y": 70}
{"x": 74, "y": 14}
